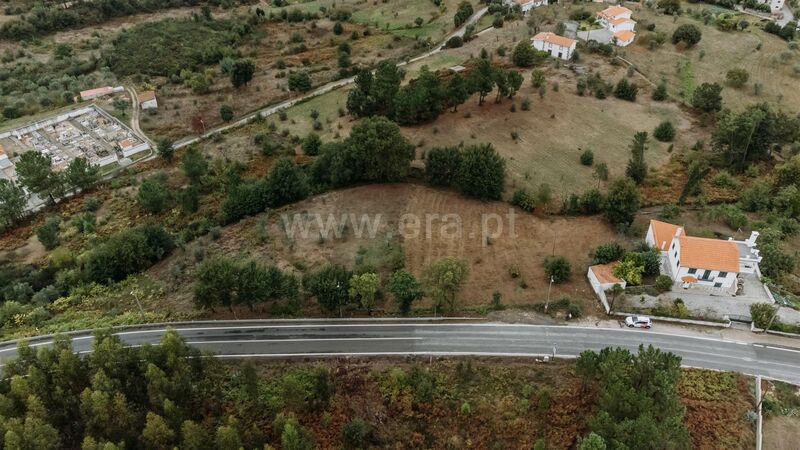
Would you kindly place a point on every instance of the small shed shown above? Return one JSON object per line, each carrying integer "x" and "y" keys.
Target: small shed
{"x": 147, "y": 100}
{"x": 601, "y": 277}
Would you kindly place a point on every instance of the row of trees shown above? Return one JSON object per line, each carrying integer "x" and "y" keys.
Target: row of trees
{"x": 36, "y": 174}
{"x": 227, "y": 282}
{"x": 425, "y": 97}
{"x": 335, "y": 287}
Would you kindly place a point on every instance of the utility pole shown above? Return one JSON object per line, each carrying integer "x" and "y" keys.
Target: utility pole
{"x": 772, "y": 319}
{"x": 547, "y": 303}
{"x": 135, "y": 295}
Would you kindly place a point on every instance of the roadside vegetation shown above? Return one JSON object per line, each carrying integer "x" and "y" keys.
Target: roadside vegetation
{"x": 170, "y": 395}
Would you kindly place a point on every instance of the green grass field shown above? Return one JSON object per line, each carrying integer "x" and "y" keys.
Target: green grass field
{"x": 396, "y": 16}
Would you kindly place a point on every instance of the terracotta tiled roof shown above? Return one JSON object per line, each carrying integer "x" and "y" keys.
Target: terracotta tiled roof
{"x": 663, "y": 233}
{"x": 614, "y": 11}
{"x": 554, "y": 39}
{"x": 97, "y": 91}
{"x": 605, "y": 273}
{"x": 689, "y": 279}
{"x": 147, "y": 96}
{"x": 625, "y": 35}
{"x": 620, "y": 21}
{"x": 711, "y": 254}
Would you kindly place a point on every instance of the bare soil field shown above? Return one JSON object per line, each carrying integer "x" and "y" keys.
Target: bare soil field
{"x": 781, "y": 433}
{"x": 509, "y": 262}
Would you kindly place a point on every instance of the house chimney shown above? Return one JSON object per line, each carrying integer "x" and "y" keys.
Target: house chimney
{"x": 751, "y": 241}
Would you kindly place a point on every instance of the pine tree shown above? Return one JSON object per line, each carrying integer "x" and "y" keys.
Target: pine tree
{"x": 637, "y": 167}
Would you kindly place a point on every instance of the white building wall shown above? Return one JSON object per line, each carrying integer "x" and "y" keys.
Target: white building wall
{"x": 556, "y": 51}
{"x": 629, "y": 26}
{"x": 710, "y": 278}
{"x": 150, "y": 104}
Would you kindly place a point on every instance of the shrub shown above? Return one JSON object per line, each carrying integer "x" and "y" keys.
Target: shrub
{"x": 587, "y": 157}
{"x": 762, "y": 313}
{"x": 311, "y": 144}
{"x": 626, "y": 90}
{"x": 724, "y": 180}
{"x": 688, "y": 34}
{"x": 557, "y": 268}
{"x": 523, "y": 199}
{"x": 354, "y": 432}
{"x": 442, "y": 164}
{"x": 665, "y": 131}
{"x": 226, "y": 113}
{"x": 737, "y": 77}
{"x": 455, "y": 42}
{"x": 47, "y": 233}
{"x": 606, "y": 253}
{"x": 670, "y": 211}
{"x": 660, "y": 93}
{"x": 663, "y": 283}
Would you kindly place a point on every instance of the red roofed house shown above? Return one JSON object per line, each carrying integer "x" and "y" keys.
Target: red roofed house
{"x": 617, "y": 20}
{"x": 701, "y": 261}
{"x": 601, "y": 277}
{"x": 92, "y": 94}
{"x": 557, "y": 46}
{"x": 147, "y": 100}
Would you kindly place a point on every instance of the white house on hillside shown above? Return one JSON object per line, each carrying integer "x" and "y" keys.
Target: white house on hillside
{"x": 557, "y": 46}
{"x": 712, "y": 263}
{"x": 617, "y": 20}
{"x": 527, "y": 5}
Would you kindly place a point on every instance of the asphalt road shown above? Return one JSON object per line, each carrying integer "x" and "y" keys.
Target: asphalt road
{"x": 421, "y": 337}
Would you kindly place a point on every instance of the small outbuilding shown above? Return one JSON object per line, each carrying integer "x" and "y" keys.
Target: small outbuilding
{"x": 147, "y": 100}
{"x": 601, "y": 277}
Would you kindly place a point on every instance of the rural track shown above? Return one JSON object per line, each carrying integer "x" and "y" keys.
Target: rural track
{"x": 324, "y": 89}
{"x": 440, "y": 337}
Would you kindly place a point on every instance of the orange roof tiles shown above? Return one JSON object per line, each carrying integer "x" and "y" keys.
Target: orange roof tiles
{"x": 663, "y": 233}
{"x": 614, "y": 12}
{"x": 619, "y": 21}
{"x": 554, "y": 39}
{"x": 711, "y": 254}
{"x": 97, "y": 91}
{"x": 605, "y": 273}
{"x": 689, "y": 279}
{"x": 624, "y": 35}
{"x": 147, "y": 96}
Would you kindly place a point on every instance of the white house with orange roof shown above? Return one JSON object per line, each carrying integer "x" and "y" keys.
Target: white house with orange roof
{"x": 695, "y": 261}
{"x": 557, "y": 46}
{"x": 617, "y": 20}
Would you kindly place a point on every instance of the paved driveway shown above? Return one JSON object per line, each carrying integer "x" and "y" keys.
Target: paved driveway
{"x": 709, "y": 303}
{"x": 602, "y": 35}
